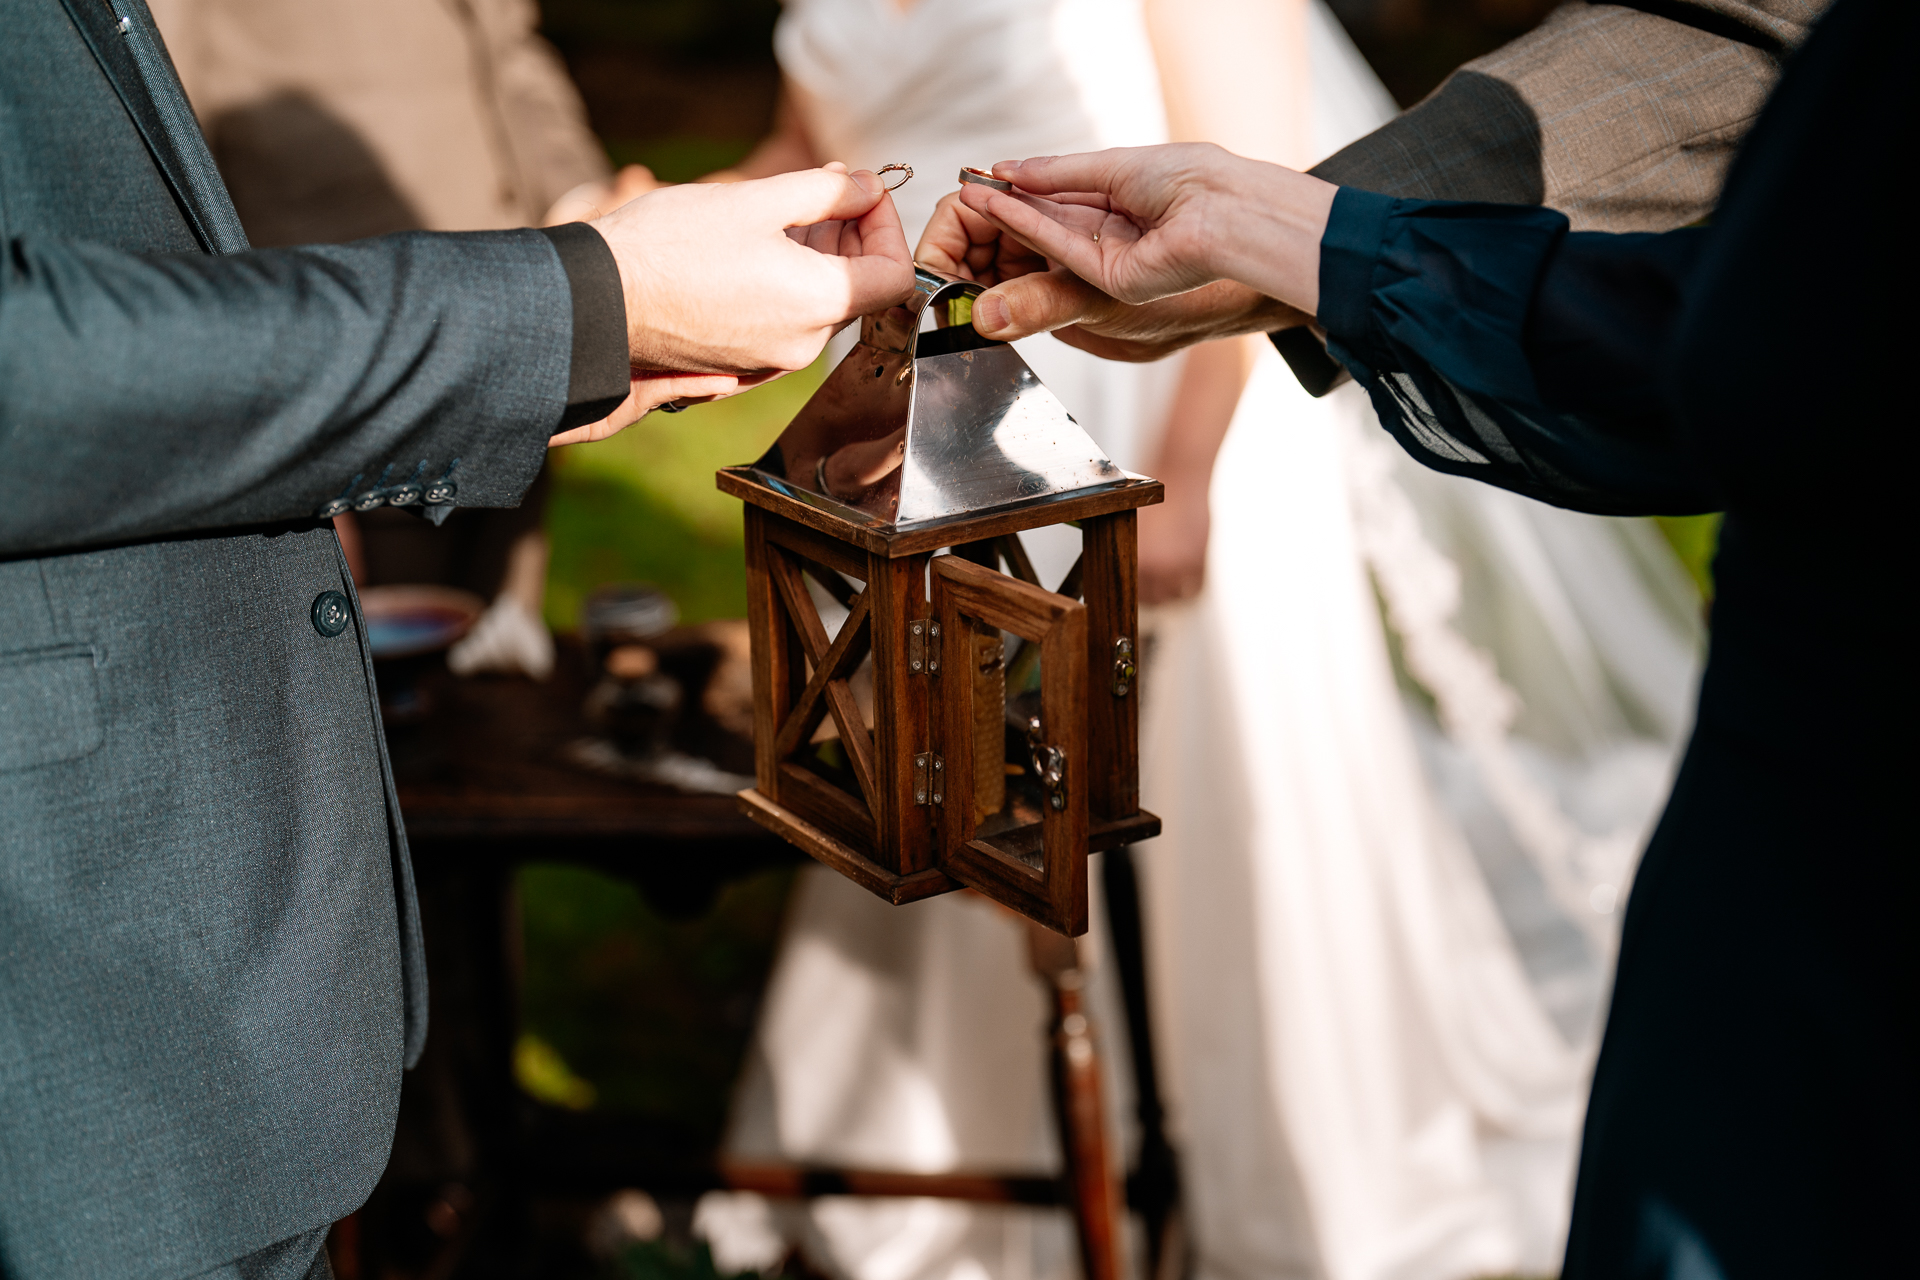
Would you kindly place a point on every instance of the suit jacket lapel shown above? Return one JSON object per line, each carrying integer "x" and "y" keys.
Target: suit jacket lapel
{"x": 128, "y": 47}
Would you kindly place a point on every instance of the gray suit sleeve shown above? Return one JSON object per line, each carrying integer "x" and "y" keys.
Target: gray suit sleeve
{"x": 149, "y": 394}
{"x": 1623, "y": 116}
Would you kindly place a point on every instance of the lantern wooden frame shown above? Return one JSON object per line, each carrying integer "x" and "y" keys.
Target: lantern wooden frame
{"x": 902, "y": 824}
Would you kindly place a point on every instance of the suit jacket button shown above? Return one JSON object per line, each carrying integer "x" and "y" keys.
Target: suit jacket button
{"x": 440, "y": 492}
{"x": 331, "y": 613}
{"x": 337, "y": 507}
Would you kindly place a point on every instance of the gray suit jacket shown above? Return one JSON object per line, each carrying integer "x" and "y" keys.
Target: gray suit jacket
{"x": 1622, "y": 116}
{"x": 210, "y": 969}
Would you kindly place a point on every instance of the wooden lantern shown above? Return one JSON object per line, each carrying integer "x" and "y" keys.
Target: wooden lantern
{"x": 999, "y": 744}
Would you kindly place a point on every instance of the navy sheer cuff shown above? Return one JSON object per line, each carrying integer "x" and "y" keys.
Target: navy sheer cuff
{"x": 1349, "y": 250}
{"x": 1450, "y": 281}
{"x": 1430, "y": 305}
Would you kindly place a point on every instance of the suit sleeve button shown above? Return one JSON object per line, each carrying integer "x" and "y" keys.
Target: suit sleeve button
{"x": 331, "y": 613}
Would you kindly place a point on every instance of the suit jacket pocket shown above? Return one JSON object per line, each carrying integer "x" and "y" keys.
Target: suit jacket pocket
{"x": 49, "y": 706}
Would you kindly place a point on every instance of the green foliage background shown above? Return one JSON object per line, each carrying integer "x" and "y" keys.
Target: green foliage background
{"x": 643, "y": 506}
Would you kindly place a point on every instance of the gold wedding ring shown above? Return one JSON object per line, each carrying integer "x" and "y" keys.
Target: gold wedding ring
{"x": 985, "y": 179}
{"x": 904, "y": 170}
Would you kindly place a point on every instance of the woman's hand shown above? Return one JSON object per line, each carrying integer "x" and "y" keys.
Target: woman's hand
{"x": 1173, "y": 534}
{"x": 1029, "y": 295}
{"x": 1173, "y": 545}
{"x": 596, "y": 199}
{"x": 1145, "y": 223}
{"x": 962, "y": 242}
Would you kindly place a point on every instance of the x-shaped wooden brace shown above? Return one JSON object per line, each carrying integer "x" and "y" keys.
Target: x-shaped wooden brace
{"x": 827, "y": 692}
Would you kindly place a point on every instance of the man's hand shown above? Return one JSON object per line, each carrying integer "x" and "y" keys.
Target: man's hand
{"x": 1081, "y": 316}
{"x": 752, "y": 278}
{"x": 651, "y": 390}
{"x": 1031, "y": 295}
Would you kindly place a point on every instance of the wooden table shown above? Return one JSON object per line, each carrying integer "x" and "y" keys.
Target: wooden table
{"x": 486, "y": 784}
{"x": 485, "y": 776}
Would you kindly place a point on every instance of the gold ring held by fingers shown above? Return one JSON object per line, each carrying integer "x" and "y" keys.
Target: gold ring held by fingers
{"x": 985, "y": 179}
{"x": 1096, "y": 237}
{"x": 904, "y": 170}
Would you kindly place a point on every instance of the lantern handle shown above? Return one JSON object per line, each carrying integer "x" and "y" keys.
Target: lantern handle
{"x": 897, "y": 329}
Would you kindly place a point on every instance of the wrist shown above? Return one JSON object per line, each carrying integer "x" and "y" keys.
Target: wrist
{"x": 1229, "y": 309}
{"x": 638, "y": 301}
{"x": 1271, "y": 233}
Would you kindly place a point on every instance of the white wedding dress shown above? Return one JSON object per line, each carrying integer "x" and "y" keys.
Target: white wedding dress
{"x": 1372, "y": 927}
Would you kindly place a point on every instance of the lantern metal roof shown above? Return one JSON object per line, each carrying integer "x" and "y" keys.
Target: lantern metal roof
{"x": 918, "y": 427}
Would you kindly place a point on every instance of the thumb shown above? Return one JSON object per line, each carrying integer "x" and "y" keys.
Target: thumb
{"x": 1037, "y": 303}
{"x": 807, "y": 196}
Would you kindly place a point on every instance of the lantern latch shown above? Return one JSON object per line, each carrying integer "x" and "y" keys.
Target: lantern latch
{"x": 929, "y": 779}
{"x": 1049, "y": 764}
{"x": 1123, "y": 668}
{"x": 923, "y": 647}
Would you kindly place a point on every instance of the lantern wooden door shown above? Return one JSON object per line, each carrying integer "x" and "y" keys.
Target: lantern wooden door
{"x": 1014, "y": 830}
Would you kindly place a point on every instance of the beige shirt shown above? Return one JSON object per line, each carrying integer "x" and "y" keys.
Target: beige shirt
{"x": 352, "y": 118}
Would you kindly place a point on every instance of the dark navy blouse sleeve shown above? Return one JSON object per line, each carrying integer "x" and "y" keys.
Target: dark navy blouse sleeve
{"x": 1499, "y": 345}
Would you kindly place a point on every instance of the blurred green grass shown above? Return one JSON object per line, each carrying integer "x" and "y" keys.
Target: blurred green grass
{"x": 642, "y": 507}
{"x": 632, "y": 1011}
{"x": 1694, "y": 539}
{"x": 681, "y": 158}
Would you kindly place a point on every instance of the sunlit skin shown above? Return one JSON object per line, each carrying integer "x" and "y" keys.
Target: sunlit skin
{"x": 1201, "y": 244}
{"x": 731, "y": 285}
{"x": 1143, "y": 223}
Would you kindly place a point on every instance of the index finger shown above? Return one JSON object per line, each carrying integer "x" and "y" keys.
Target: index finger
{"x": 1085, "y": 173}
{"x": 880, "y": 233}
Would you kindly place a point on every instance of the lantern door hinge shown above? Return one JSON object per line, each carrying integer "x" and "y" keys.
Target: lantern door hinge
{"x": 923, "y": 647}
{"x": 929, "y": 779}
{"x": 1123, "y": 667}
